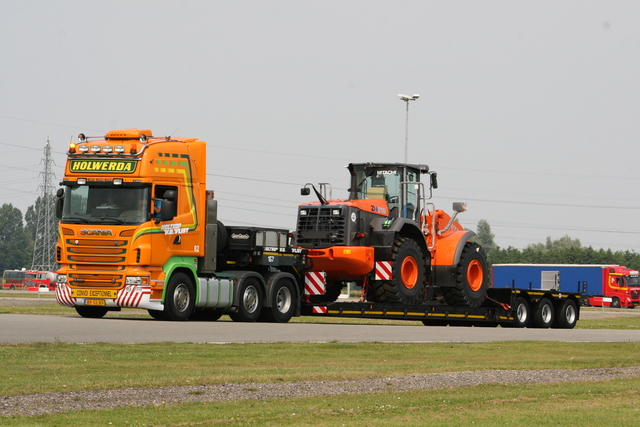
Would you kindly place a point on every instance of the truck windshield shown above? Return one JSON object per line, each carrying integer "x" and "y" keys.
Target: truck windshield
{"x": 633, "y": 281}
{"x": 86, "y": 204}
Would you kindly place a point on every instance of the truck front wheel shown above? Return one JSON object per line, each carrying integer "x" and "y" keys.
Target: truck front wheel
{"x": 91, "y": 312}
{"x": 407, "y": 275}
{"x": 472, "y": 280}
{"x": 250, "y": 306}
{"x": 180, "y": 298}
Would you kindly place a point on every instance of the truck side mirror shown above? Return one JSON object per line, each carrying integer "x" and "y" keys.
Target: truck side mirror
{"x": 459, "y": 207}
{"x": 59, "y": 202}
{"x": 167, "y": 210}
{"x": 305, "y": 191}
{"x": 434, "y": 180}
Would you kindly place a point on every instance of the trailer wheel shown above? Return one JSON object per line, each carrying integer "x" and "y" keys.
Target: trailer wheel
{"x": 521, "y": 313}
{"x": 180, "y": 298}
{"x": 91, "y": 312}
{"x": 283, "y": 302}
{"x": 407, "y": 275}
{"x": 250, "y": 305}
{"x": 543, "y": 314}
{"x": 566, "y": 314}
{"x": 472, "y": 280}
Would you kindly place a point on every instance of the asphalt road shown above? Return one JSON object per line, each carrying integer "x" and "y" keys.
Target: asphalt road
{"x": 21, "y": 328}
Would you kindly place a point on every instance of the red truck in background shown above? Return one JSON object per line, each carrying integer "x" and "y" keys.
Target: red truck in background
{"x": 29, "y": 280}
{"x": 599, "y": 285}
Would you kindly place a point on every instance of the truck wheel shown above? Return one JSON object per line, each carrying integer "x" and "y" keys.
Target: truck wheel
{"x": 615, "y": 302}
{"x": 566, "y": 314}
{"x": 250, "y": 301}
{"x": 472, "y": 280}
{"x": 521, "y": 314}
{"x": 407, "y": 275}
{"x": 543, "y": 314}
{"x": 180, "y": 298}
{"x": 283, "y": 302}
{"x": 91, "y": 312}
{"x": 157, "y": 314}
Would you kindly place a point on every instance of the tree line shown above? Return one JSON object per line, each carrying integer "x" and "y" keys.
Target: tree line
{"x": 561, "y": 251}
{"x": 18, "y": 235}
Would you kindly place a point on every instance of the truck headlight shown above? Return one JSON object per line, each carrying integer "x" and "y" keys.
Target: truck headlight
{"x": 134, "y": 280}
{"x": 62, "y": 278}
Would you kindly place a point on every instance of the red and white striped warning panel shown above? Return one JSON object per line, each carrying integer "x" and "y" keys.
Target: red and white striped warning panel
{"x": 383, "y": 270}
{"x": 314, "y": 283}
{"x": 63, "y": 295}
{"x": 131, "y": 296}
{"x": 319, "y": 309}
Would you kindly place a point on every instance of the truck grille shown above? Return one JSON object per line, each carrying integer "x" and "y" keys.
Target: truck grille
{"x": 321, "y": 227}
{"x": 95, "y": 263}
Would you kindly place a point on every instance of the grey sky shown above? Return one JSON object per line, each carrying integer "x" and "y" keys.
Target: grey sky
{"x": 529, "y": 110}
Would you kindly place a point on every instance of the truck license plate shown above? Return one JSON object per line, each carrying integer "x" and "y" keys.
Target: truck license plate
{"x": 94, "y": 293}
{"x": 95, "y": 302}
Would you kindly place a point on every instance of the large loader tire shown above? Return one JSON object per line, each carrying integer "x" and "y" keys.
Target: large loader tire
{"x": 472, "y": 278}
{"x": 408, "y": 275}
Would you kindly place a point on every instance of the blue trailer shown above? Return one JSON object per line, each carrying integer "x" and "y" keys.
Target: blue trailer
{"x": 609, "y": 285}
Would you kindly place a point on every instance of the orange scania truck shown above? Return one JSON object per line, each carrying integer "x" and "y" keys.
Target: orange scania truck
{"x": 139, "y": 229}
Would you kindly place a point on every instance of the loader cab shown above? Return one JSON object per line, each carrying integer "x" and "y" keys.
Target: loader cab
{"x": 396, "y": 183}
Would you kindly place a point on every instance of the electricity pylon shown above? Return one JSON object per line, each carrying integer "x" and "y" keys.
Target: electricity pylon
{"x": 44, "y": 257}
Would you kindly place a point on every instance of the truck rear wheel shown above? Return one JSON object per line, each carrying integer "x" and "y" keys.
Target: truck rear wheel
{"x": 91, "y": 312}
{"x": 543, "y": 314}
{"x": 407, "y": 275}
{"x": 180, "y": 298}
{"x": 566, "y": 314}
{"x": 250, "y": 306}
{"x": 282, "y": 302}
{"x": 472, "y": 280}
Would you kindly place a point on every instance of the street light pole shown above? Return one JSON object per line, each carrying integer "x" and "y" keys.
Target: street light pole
{"x": 406, "y": 99}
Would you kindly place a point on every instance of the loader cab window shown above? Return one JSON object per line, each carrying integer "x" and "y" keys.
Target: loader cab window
{"x": 412, "y": 195}
{"x": 386, "y": 183}
{"x": 376, "y": 184}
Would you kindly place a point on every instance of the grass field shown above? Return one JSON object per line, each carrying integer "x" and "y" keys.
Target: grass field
{"x": 38, "y": 368}
{"x": 55, "y": 367}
